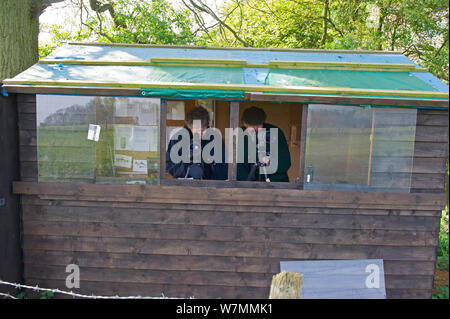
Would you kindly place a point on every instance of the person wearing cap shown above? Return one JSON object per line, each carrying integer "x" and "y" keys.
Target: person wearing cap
{"x": 253, "y": 120}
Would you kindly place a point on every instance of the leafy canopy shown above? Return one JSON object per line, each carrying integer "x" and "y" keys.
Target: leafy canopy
{"x": 419, "y": 29}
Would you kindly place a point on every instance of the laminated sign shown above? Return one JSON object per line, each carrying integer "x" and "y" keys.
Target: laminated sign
{"x": 122, "y": 161}
{"x": 339, "y": 279}
{"x": 94, "y": 132}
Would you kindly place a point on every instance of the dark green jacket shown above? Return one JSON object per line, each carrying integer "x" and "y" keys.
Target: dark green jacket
{"x": 284, "y": 159}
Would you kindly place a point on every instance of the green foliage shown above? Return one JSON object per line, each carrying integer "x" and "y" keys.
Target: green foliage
{"x": 59, "y": 37}
{"x": 134, "y": 21}
{"x": 155, "y": 22}
{"x": 45, "y": 49}
{"x": 419, "y": 29}
{"x": 43, "y": 295}
{"x": 21, "y": 295}
{"x": 443, "y": 247}
{"x": 442, "y": 294}
{"x": 443, "y": 257}
{"x": 47, "y": 295}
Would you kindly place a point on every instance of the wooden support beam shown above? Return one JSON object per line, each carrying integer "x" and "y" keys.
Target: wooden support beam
{"x": 303, "y": 136}
{"x": 372, "y": 137}
{"x": 357, "y": 66}
{"x": 350, "y": 100}
{"x": 78, "y": 90}
{"x": 270, "y": 89}
{"x": 198, "y": 61}
{"x": 171, "y": 46}
{"x": 162, "y": 138}
{"x": 234, "y": 123}
{"x": 235, "y": 196}
{"x": 158, "y": 61}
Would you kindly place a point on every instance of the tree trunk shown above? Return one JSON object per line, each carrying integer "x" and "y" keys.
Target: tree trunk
{"x": 380, "y": 28}
{"x": 19, "y": 30}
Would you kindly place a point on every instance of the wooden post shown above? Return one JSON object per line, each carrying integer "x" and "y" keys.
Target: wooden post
{"x": 372, "y": 134}
{"x": 234, "y": 122}
{"x": 10, "y": 248}
{"x": 286, "y": 285}
{"x": 162, "y": 139}
{"x": 303, "y": 134}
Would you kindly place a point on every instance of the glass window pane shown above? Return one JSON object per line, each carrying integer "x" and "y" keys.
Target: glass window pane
{"x": 393, "y": 149}
{"x": 98, "y": 139}
{"x": 359, "y": 148}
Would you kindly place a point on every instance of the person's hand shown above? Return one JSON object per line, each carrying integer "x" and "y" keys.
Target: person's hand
{"x": 266, "y": 160}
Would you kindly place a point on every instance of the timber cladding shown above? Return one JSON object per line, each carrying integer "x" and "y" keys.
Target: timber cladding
{"x": 212, "y": 242}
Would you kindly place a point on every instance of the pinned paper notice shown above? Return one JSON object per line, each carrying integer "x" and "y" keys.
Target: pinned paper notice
{"x": 140, "y": 166}
{"x": 122, "y": 161}
{"x": 94, "y": 132}
{"x": 148, "y": 114}
{"x": 175, "y": 110}
{"x": 136, "y": 138}
{"x": 141, "y": 138}
{"x": 123, "y": 137}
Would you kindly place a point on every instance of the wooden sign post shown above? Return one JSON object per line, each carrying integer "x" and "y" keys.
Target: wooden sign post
{"x": 286, "y": 285}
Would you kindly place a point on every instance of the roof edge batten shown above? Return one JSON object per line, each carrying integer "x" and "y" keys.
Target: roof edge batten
{"x": 232, "y": 87}
{"x": 177, "y": 46}
{"x": 273, "y": 64}
{"x": 247, "y": 96}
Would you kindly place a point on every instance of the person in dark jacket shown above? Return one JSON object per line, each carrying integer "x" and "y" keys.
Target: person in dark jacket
{"x": 205, "y": 169}
{"x": 254, "y": 119}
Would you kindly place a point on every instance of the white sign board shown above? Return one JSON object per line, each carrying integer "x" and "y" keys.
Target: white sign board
{"x": 339, "y": 279}
{"x": 94, "y": 132}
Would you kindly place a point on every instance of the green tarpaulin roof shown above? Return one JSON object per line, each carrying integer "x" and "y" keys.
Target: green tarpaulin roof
{"x": 351, "y": 79}
{"x": 188, "y": 71}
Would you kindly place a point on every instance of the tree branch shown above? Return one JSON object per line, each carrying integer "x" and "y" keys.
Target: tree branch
{"x": 204, "y": 8}
{"x": 98, "y": 7}
{"x": 325, "y": 23}
{"x": 199, "y": 20}
{"x": 443, "y": 45}
{"x": 39, "y": 6}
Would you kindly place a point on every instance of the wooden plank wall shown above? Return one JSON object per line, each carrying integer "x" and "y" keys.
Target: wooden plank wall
{"x": 214, "y": 243}
{"x": 429, "y": 157}
{"x": 430, "y": 151}
{"x": 26, "y": 104}
{"x": 11, "y": 267}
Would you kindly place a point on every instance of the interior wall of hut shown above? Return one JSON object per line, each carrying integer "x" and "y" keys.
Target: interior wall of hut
{"x": 287, "y": 116}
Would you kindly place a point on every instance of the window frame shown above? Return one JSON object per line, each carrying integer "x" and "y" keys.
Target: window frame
{"x": 232, "y": 168}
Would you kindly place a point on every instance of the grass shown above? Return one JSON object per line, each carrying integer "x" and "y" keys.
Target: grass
{"x": 442, "y": 265}
{"x": 65, "y": 154}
